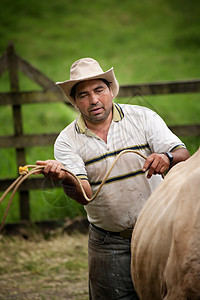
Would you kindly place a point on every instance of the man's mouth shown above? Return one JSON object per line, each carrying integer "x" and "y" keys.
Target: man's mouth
{"x": 96, "y": 110}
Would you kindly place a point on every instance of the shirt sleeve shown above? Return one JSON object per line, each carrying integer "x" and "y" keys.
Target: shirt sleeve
{"x": 160, "y": 138}
{"x": 65, "y": 152}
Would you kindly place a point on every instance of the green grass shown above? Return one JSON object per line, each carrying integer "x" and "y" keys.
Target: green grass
{"x": 145, "y": 41}
{"x": 38, "y": 268}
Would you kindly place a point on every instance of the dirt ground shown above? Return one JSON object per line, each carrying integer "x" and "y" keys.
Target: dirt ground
{"x": 44, "y": 268}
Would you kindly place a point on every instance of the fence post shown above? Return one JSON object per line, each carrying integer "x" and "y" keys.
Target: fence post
{"x": 12, "y": 63}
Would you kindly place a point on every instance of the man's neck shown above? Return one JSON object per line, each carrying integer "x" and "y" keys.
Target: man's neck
{"x": 100, "y": 129}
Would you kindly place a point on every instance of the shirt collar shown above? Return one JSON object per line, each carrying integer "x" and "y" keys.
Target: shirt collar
{"x": 118, "y": 115}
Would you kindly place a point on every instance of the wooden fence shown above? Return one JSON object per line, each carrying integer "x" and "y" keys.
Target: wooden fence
{"x": 13, "y": 63}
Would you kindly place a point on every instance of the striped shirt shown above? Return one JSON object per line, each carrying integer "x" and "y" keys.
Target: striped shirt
{"x": 127, "y": 188}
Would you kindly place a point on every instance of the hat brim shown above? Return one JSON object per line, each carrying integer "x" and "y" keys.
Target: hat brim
{"x": 109, "y": 75}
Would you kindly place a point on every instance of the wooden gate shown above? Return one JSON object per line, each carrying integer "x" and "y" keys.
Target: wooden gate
{"x": 51, "y": 93}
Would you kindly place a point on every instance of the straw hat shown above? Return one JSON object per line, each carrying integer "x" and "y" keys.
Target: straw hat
{"x": 87, "y": 69}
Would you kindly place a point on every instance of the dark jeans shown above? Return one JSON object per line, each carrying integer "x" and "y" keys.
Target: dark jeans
{"x": 109, "y": 267}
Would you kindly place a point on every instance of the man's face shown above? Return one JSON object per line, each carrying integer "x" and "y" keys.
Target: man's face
{"x": 94, "y": 100}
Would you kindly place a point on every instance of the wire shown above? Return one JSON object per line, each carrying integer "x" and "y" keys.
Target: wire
{"x": 25, "y": 173}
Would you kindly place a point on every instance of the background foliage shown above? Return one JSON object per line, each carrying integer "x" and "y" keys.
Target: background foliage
{"x": 145, "y": 41}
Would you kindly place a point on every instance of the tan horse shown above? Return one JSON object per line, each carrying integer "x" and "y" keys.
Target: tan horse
{"x": 166, "y": 239}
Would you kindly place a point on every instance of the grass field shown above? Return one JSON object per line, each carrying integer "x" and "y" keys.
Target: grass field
{"x": 38, "y": 268}
{"x": 145, "y": 41}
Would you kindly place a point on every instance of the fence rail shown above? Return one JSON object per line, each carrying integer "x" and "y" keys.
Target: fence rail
{"x": 29, "y": 140}
{"x": 51, "y": 93}
{"x": 29, "y": 184}
{"x": 21, "y": 98}
{"x": 160, "y": 88}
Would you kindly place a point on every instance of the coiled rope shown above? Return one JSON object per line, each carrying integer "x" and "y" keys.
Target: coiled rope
{"x": 25, "y": 173}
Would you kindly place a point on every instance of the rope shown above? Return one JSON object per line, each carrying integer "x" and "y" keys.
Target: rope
{"x": 25, "y": 173}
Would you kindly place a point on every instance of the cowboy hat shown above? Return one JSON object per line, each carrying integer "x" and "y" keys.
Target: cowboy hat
{"x": 87, "y": 69}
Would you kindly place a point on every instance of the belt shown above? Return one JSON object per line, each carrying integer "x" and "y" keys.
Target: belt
{"x": 126, "y": 234}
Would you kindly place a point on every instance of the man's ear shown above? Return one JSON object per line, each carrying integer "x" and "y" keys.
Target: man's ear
{"x": 75, "y": 104}
{"x": 111, "y": 93}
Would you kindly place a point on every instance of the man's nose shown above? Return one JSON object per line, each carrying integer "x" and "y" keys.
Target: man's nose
{"x": 93, "y": 98}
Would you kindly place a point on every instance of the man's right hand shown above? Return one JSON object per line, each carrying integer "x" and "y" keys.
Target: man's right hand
{"x": 53, "y": 168}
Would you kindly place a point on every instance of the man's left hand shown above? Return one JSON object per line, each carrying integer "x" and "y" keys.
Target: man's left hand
{"x": 157, "y": 163}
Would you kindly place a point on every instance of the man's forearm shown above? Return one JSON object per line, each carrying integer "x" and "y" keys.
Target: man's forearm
{"x": 73, "y": 190}
{"x": 56, "y": 171}
{"x": 180, "y": 155}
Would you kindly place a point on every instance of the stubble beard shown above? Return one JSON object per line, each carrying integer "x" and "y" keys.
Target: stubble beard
{"x": 99, "y": 117}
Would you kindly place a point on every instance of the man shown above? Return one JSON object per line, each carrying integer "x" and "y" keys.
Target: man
{"x": 88, "y": 147}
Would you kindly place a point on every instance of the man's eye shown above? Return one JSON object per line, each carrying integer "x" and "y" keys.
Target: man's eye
{"x": 99, "y": 90}
{"x": 82, "y": 96}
